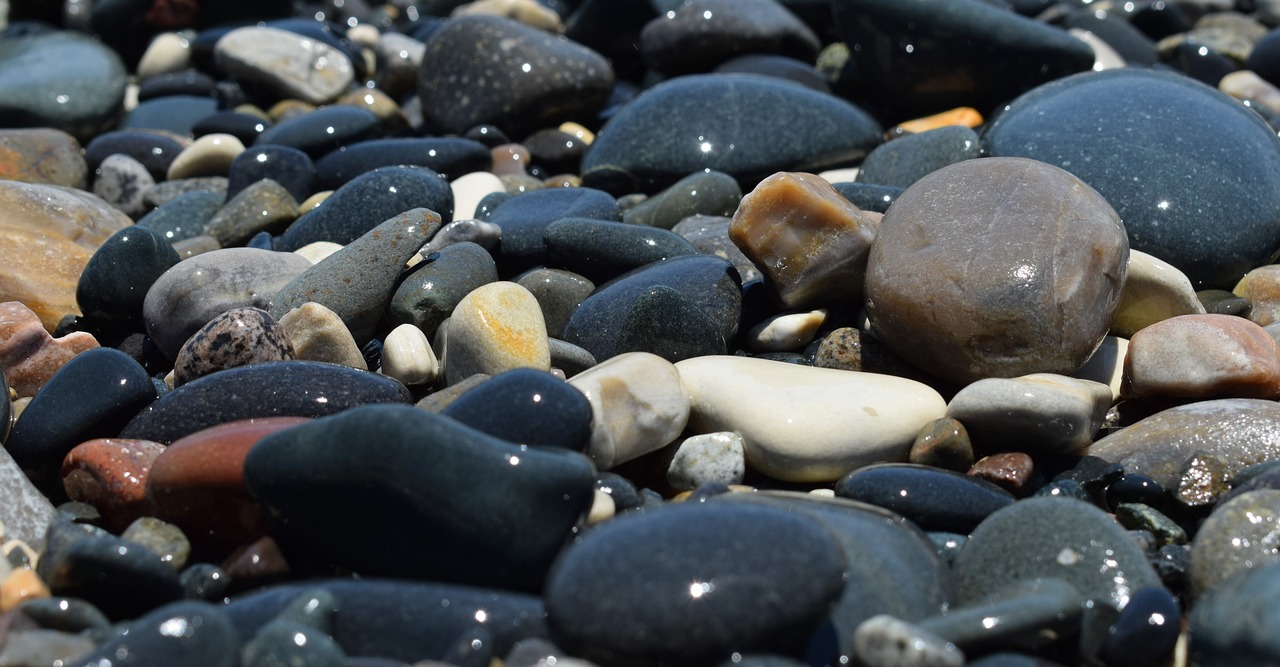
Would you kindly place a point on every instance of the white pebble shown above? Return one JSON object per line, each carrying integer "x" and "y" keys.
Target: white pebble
{"x": 407, "y": 356}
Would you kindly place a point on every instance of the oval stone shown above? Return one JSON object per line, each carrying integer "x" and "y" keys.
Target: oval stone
{"x": 495, "y": 328}
{"x": 65, "y": 80}
{"x": 527, "y": 407}
{"x": 1202, "y": 356}
{"x": 238, "y": 337}
{"x": 286, "y": 62}
{"x": 1241, "y": 534}
{"x": 933, "y": 498}
{"x": 114, "y": 284}
{"x": 996, "y": 267}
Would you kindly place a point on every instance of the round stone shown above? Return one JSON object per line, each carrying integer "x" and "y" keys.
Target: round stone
{"x": 996, "y": 267}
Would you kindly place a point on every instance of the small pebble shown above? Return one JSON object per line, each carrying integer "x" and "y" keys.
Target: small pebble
{"x": 705, "y": 459}
{"x": 407, "y": 356}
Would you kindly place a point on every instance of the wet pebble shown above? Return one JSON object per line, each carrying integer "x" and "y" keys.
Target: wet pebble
{"x": 111, "y": 474}
{"x": 238, "y": 337}
{"x": 527, "y": 407}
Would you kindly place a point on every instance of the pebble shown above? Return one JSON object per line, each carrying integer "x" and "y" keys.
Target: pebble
{"x": 1017, "y": 614}
{"x": 27, "y": 513}
{"x": 810, "y": 243}
{"x": 29, "y": 356}
{"x": 470, "y": 189}
{"x": 558, "y": 293}
{"x": 1202, "y": 356}
{"x": 1216, "y": 636}
{"x": 288, "y": 167}
{"x": 295, "y": 65}
{"x": 638, "y": 406}
{"x": 407, "y": 356}
{"x": 264, "y": 206}
{"x": 1239, "y": 535}
{"x": 188, "y": 632}
{"x": 155, "y": 150}
{"x": 932, "y": 498}
{"x": 747, "y": 396}
{"x": 786, "y": 331}
{"x": 524, "y": 218}
{"x": 167, "y": 52}
{"x": 1106, "y": 366}
{"x": 60, "y": 79}
{"x": 366, "y": 202}
{"x": 237, "y": 337}
{"x": 319, "y": 334}
{"x": 1011, "y": 471}
{"x": 322, "y": 130}
{"x": 706, "y": 192}
{"x": 123, "y": 182}
{"x": 31, "y": 647}
{"x": 1261, "y": 287}
{"x": 210, "y": 155}
{"x": 111, "y": 474}
{"x": 527, "y": 407}
{"x": 113, "y": 287}
{"x": 122, "y": 578}
{"x": 185, "y": 217}
{"x": 42, "y": 155}
{"x": 163, "y": 539}
{"x": 494, "y": 328}
{"x": 1153, "y": 291}
{"x": 698, "y": 35}
{"x": 710, "y": 235}
{"x": 903, "y": 161}
{"x": 1041, "y": 413}
{"x": 450, "y": 157}
{"x": 884, "y": 641}
{"x": 601, "y": 250}
{"x": 710, "y": 458}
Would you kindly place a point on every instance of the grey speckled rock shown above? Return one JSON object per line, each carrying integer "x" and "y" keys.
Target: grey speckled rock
{"x": 238, "y": 337}
{"x": 121, "y": 181}
{"x": 26, "y": 512}
{"x": 358, "y": 281}
{"x": 1239, "y": 431}
{"x": 697, "y": 35}
{"x": 1239, "y": 535}
{"x": 293, "y": 65}
{"x": 264, "y": 205}
{"x": 64, "y": 80}
{"x": 712, "y": 121}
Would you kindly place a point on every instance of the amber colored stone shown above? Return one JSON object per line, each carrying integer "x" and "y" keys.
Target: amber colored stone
{"x": 47, "y": 235}
{"x": 1202, "y": 356}
{"x": 28, "y": 354}
{"x": 197, "y": 484}
{"x": 943, "y": 443}
{"x": 809, "y": 241}
{"x": 256, "y": 565}
{"x": 21, "y": 585}
{"x": 963, "y": 116}
{"x": 1010, "y": 471}
{"x": 111, "y": 475}
{"x": 510, "y": 160}
{"x": 42, "y": 155}
{"x": 1261, "y": 287}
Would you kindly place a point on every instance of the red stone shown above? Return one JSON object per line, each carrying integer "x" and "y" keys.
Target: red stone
{"x": 28, "y": 354}
{"x": 1008, "y": 470}
{"x": 198, "y": 483}
{"x": 111, "y": 474}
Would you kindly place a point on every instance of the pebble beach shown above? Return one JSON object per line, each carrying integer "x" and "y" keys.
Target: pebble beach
{"x": 521, "y": 333}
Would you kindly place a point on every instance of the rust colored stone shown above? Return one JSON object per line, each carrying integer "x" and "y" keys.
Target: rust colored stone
{"x": 510, "y": 160}
{"x": 1010, "y": 471}
{"x": 111, "y": 474}
{"x": 256, "y": 565}
{"x": 42, "y": 155}
{"x": 963, "y": 116}
{"x": 21, "y": 585}
{"x": 28, "y": 354}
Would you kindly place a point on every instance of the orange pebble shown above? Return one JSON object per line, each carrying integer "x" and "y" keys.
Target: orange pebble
{"x": 966, "y": 116}
{"x": 20, "y": 586}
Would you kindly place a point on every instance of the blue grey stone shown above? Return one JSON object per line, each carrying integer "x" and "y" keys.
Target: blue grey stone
{"x": 368, "y": 201}
{"x": 934, "y": 498}
{"x": 194, "y": 634}
{"x": 905, "y": 160}
{"x": 285, "y": 165}
{"x": 154, "y": 150}
{"x": 558, "y": 293}
{"x": 1218, "y": 635}
{"x": 699, "y": 193}
{"x": 698, "y": 35}
{"x": 524, "y": 219}
{"x": 323, "y": 130}
{"x": 114, "y": 284}
{"x": 432, "y": 289}
{"x": 868, "y": 196}
{"x": 64, "y": 80}
{"x": 526, "y": 407}
{"x": 451, "y": 157}
{"x": 174, "y": 113}
{"x": 1019, "y": 614}
{"x": 602, "y": 250}
{"x": 122, "y": 578}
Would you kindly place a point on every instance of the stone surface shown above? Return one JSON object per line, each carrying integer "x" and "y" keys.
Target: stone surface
{"x": 319, "y": 334}
{"x": 1261, "y": 287}
{"x": 210, "y": 155}
{"x": 184, "y": 217}
{"x": 450, "y": 157}
{"x": 1041, "y": 413}
{"x": 262, "y": 206}
{"x": 705, "y": 192}
{"x": 292, "y": 64}
{"x": 524, "y": 219}
{"x": 114, "y": 284}
{"x": 1238, "y": 536}
{"x": 367, "y": 201}
{"x": 638, "y": 405}
{"x": 905, "y": 160}
{"x": 494, "y": 328}
{"x": 1202, "y": 356}
{"x": 189, "y": 632}
{"x": 111, "y": 474}
{"x": 29, "y": 356}
{"x": 430, "y": 292}
{"x": 28, "y": 512}
{"x": 320, "y": 131}
{"x": 122, "y": 578}
{"x": 697, "y": 35}
{"x": 602, "y": 250}
{"x": 1153, "y": 291}
{"x": 287, "y": 166}
{"x": 407, "y": 356}
{"x": 527, "y": 407}
{"x": 944, "y": 294}
{"x": 64, "y": 80}
{"x": 932, "y": 498}
{"x": 42, "y": 155}
{"x": 558, "y": 293}
{"x": 810, "y": 242}
{"x": 238, "y": 337}
{"x": 710, "y": 458}
{"x": 1218, "y": 638}
{"x": 1203, "y": 138}
{"x": 710, "y": 235}
{"x": 748, "y": 396}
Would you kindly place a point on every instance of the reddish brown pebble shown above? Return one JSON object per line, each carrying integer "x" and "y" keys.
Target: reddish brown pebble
{"x": 111, "y": 474}
{"x": 197, "y": 484}
{"x": 943, "y": 443}
{"x": 255, "y": 565}
{"x": 28, "y": 354}
{"x": 1009, "y": 470}
{"x": 21, "y": 585}
{"x": 238, "y": 337}
{"x": 1202, "y": 356}
{"x": 510, "y": 160}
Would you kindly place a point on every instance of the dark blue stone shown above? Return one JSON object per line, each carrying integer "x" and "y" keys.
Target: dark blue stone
{"x": 625, "y": 494}
{"x": 527, "y": 407}
{"x": 1164, "y": 151}
{"x": 121, "y": 578}
{"x": 175, "y": 113}
{"x": 1264, "y": 58}
{"x": 244, "y": 126}
{"x": 92, "y": 396}
{"x": 678, "y": 308}
{"x": 433, "y": 288}
{"x": 934, "y": 498}
{"x": 1146, "y": 631}
{"x": 490, "y": 202}
{"x": 322, "y": 130}
{"x": 698, "y": 35}
{"x": 779, "y": 67}
{"x": 1202, "y": 64}
{"x": 192, "y": 634}
{"x": 276, "y": 389}
{"x": 926, "y": 56}
{"x": 204, "y": 581}
{"x": 184, "y": 217}
{"x": 524, "y": 219}
{"x": 367, "y": 202}
{"x": 602, "y": 250}
{"x": 287, "y": 166}
{"x": 693, "y": 583}
{"x": 715, "y": 121}
{"x": 430, "y": 619}
{"x": 1237, "y": 622}
{"x": 451, "y": 157}
{"x": 114, "y": 283}
{"x": 439, "y": 500}
{"x": 868, "y": 196}
{"x": 1135, "y": 488}
{"x": 905, "y": 160}
{"x": 65, "y": 614}
{"x": 154, "y": 150}
{"x": 190, "y": 82}
{"x": 488, "y": 135}
{"x": 612, "y": 28}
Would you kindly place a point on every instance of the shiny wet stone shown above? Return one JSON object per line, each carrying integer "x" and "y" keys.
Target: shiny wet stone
{"x": 524, "y": 219}
{"x": 933, "y": 498}
{"x": 427, "y": 295}
{"x": 114, "y": 284}
{"x": 288, "y": 166}
{"x": 322, "y": 130}
{"x": 198, "y": 634}
{"x": 450, "y": 157}
{"x": 602, "y": 250}
{"x": 120, "y": 577}
{"x": 526, "y": 407}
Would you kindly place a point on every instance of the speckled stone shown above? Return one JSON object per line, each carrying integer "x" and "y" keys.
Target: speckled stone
{"x": 263, "y": 206}
{"x": 708, "y": 121}
{"x": 160, "y": 538}
{"x": 451, "y": 157}
{"x": 111, "y": 474}
{"x": 905, "y": 160}
{"x": 64, "y": 80}
{"x": 27, "y": 513}
{"x": 368, "y": 201}
{"x": 290, "y": 63}
{"x": 1239, "y": 535}
{"x": 1202, "y": 138}
{"x": 710, "y": 458}
{"x": 1011, "y": 471}
{"x": 965, "y": 288}
{"x": 432, "y": 289}
{"x": 494, "y": 328}
{"x": 238, "y": 337}
{"x": 319, "y": 334}
{"x": 524, "y": 218}
{"x": 698, "y": 35}
{"x": 537, "y": 79}
{"x": 1041, "y": 412}
{"x": 123, "y": 182}
{"x": 28, "y": 354}
{"x": 42, "y": 155}
{"x": 321, "y": 130}
{"x": 1218, "y": 638}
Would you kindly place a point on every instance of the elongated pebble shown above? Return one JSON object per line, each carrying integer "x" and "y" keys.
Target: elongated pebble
{"x": 407, "y": 356}
{"x": 638, "y": 405}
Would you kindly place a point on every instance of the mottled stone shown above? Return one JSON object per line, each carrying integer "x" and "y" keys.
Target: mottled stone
{"x": 484, "y": 234}
{"x": 160, "y": 538}
{"x": 1202, "y": 356}
{"x": 1017, "y": 614}
{"x": 815, "y": 441}
{"x": 810, "y": 242}
{"x": 29, "y": 356}
{"x": 263, "y": 206}
{"x": 884, "y": 641}
{"x": 1040, "y": 413}
{"x": 942, "y": 443}
{"x": 210, "y": 155}
{"x": 496, "y": 327}
{"x": 710, "y": 458}
{"x": 111, "y": 474}
{"x": 432, "y": 289}
{"x": 1202, "y": 480}
{"x": 1011, "y": 471}
{"x": 638, "y": 405}
{"x": 42, "y": 155}
{"x": 167, "y": 191}
{"x": 60, "y": 79}
{"x": 970, "y": 278}
{"x": 368, "y": 201}
{"x": 319, "y": 334}
{"x": 123, "y": 182}
{"x": 237, "y": 337}
{"x": 290, "y": 63}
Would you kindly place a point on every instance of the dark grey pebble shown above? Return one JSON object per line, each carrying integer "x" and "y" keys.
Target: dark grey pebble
{"x": 427, "y": 295}
{"x": 285, "y": 165}
{"x": 526, "y": 407}
{"x": 175, "y": 113}
{"x": 935, "y": 499}
{"x": 121, "y": 578}
{"x": 323, "y": 130}
{"x": 155, "y": 150}
{"x": 451, "y": 157}
{"x": 193, "y": 634}
{"x": 905, "y": 160}
{"x": 601, "y": 250}
{"x": 524, "y": 219}
{"x": 114, "y": 284}
{"x": 699, "y": 193}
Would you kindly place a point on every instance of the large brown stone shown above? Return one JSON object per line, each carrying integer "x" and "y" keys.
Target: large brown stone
{"x": 28, "y": 354}
{"x": 996, "y": 267}
{"x": 1202, "y": 356}
{"x": 47, "y": 235}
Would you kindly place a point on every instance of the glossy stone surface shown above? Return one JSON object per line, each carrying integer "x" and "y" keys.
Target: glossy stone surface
{"x": 63, "y": 80}
{"x": 290, "y": 167}
{"x": 1202, "y": 356}
{"x": 524, "y": 219}
{"x": 238, "y": 337}
{"x": 283, "y": 389}
{"x": 1219, "y": 639}
{"x": 120, "y": 577}
{"x": 946, "y": 296}
{"x": 602, "y": 250}
{"x": 1097, "y": 126}
{"x": 934, "y": 499}
{"x": 1039, "y": 413}
{"x": 905, "y": 160}
{"x": 262, "y": 206}
{"x": 1239, "y": 535}
{"x": 709, "y": 122}
{"x": 114, "y": 283}
{"x": 700, "y": 34}
{"x": 42, "y": 155}
{"x": 638, "y": 406}
{"x": 700, "y": 193}
{"x": 322, "y": 130}
{"x": 521, "y": 502}
{"x": 433, "y": 288}
{"x": 450, "y": 157}
{"x": 366, "y": 202}
{"x": 184, "y": 217}
{"x": 1153, "y": 291}
{"x": 111, "y": 474}
{"x": 194, "y": 633}
{"x": 306, "y": 69}
{"x": 526, "y": 407}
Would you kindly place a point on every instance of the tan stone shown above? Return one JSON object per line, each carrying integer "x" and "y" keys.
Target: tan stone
{"x": 527, "y": 12}
{"x": 318, "y": 334}
{"x": 495, "y": 328}
{"x": 21, "y": 585}
{"x": 210, "y": 155}
{"x": 1154, "y": 290}
{"x": 28, "y": 354}
{"x": 810, "y": 242}
{"x": 964, "y": 116}
{"x": 638, "y": 406}
{"x": 1261, "y": 287}
{"x": 1247, "y": 85}
{"x": 1202, "y": 356}
{"x": 47, "y": 235}
{"x": 42, "y": 155}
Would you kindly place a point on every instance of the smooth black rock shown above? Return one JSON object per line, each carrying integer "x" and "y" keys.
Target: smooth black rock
{"x": 524, "y": 219}
{"x": 1146, "y": 631}
{"x": 612, "y": 28}
{"x": 114, "y": 283}
{"x": 92, "y": 396}
{"x": 1199, "y": 63}
{"x": 450, "y": 157}
{"x": 1264, "y": 58}
{"x": 493, "y": 70}
{"x": 154, "y": 150}
{"x": 699, "y": 193}
{"x": 244, "y": 126}
{"x": 430, "y": 619}
{"x": 277, "y": 389}
{"x": 905, "y": 160}
{"x": 433, "y": 288}
{"x": 121, "y": 578}
{"x": 715, "y": 121}
{"x": 602, "y": 250}
{"x": 1135, "y": 488}
{"x": 323, "y": 130}
{"x": 527, "y": 407}
{"x": 1237, "y": 622}
{"x": 439, "y": 500}
{"x": 698, "y": 35}
{"x": 285, "y": 165}
{"x": 288, "y": 643}
{"x": 184, "y": 217}
{"x": 780, "y": 67}
{"x": 1137, "y": 49}
{"x": 868, "y": 196}
{"x": 678, "y": 308}
{"x": 555, "y": 150}
{"x": 174, "y": 113}
{"x": 189, "y": 82}
{"x": 368, "y": 201}
{"x": 204, "y": 581}
{"x": 61, "y": 79}
{"x": 693, "y": 583}
{"x": 1164, "y": 151}
{"x": 192, "y": 634}
{"x": 934, "y": 498}
{"x": 926, "y": 56}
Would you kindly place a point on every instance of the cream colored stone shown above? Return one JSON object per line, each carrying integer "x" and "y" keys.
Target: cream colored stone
{"x": 706, "y": 459}
{"x": 786, "y": 332}
{"x": 845, "y": 175}
{"x": 1247, "y": 85}
{"x": 1154, "y": 290}
{"x": 407, "y": 356}
{"x": 316, "y": 199}
{"x": 210, "y": 155}
{"x": 1106, "y": 365}
{"x": 168, "y": 52}
{"x": 1261, "y": 287}
{"x": 806, "y": 424}
{"x": 365, "y": 35}
{"x": 469, "y": 189}
{"x": 1202, "y": 356}
{"x": 528, "y": 12}
{"x": 1041, "y": 412}
{"x": 318, "y": 334}
{"x": 602, "y": 508}
{"x": 298, "y": 66}
{"x": 638, "y": 405}
{"x": 495, "y": 328}
{"x": 318, "y": 250}
{"x": 583, "y": 134}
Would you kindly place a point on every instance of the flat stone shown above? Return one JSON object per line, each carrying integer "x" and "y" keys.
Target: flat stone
{"x": 1011, "y": 471}
{"x": 638, "y": 405}
{"x": 810, "y": 243}
{"x": 484, "y": 234}
{"x": 704, "y": 192}
{"x": 451, "y": 157}
{"x": 1177, "y": 155}
{"x": 29, "y": 356}
{"x": 111, "y": 474}
{"x": 264, "y": 206}
{"x": 63, "y": 80}
{"x": 602, "y": 250}
{"x": 697, "y": 36}
{"x": 177, "y": 114}
{"x": 319, "y": 334}
{"x": 320, "y": 131}
{"x": 527, "y": 407}
{"x": 1041, "y": 413}
{"x": 905, "y": 160}
{"x": 42, "y": 155}
{"x": 286, "y": 62}
{"x": 1239, "y": 535}
{"x": 494, "y": 328}
{"x": 434, "y": 287}
{"x": 1202, "y": 356}
{"x": 1014, "y": 615}
{"x": 749, "y": 396}
{"x": 238, "y": 337}
{"x": 965, "y": 288}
